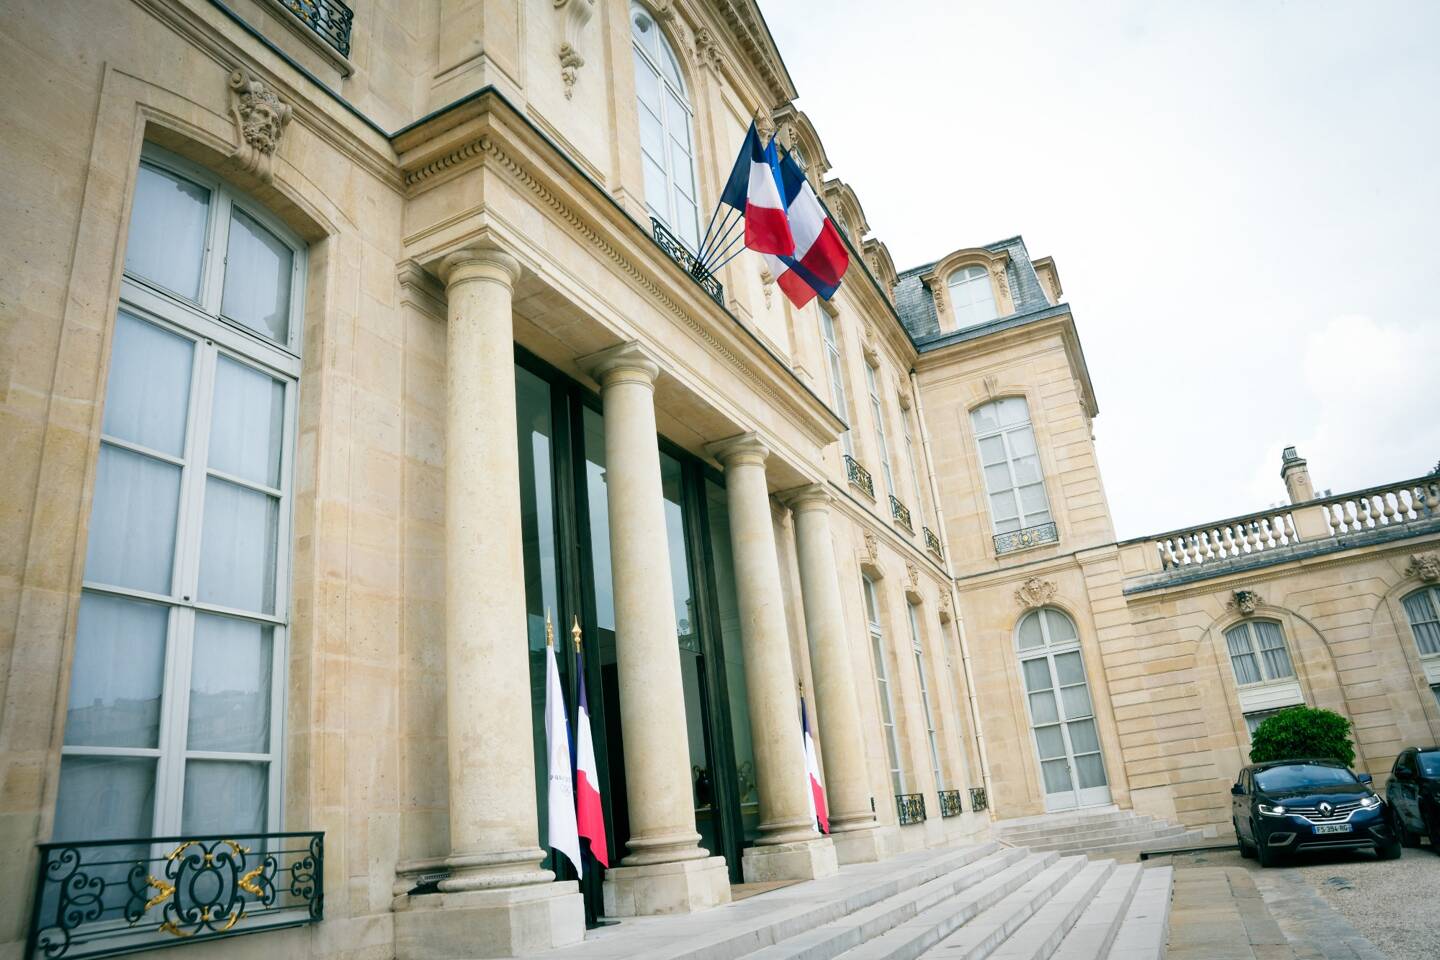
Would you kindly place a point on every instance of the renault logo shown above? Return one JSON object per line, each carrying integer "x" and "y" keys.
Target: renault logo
{"x": 1326, "y": 809}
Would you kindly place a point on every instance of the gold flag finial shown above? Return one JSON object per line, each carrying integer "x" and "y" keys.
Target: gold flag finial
{"x": 801, "y": 684}
{"x": 549, "y": 630}
{"x": 575, "y": 632}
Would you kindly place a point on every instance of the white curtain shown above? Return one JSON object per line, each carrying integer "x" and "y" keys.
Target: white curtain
{"x": 167, "y": 231}
{"x": 257, "y": 278}
{"x": 230, "y": 686}
{"x": 118, "y": 676}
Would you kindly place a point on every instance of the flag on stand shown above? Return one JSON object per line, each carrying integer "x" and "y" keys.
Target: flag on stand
{"x": 820, "y": 258}
{"x": 754, "y": 190}
{"x": 816, "y": 791}
{"x": 590, "y": 815}
{"x": 561, "y": 797}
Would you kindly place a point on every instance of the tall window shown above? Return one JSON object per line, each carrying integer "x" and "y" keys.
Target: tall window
{"x": 882, "y": 683}
{"x": 1423, "y": 610}
{"x": 1062, "y": 717}
{"x": 971, "y": 296}
{"x": 1257, "y": 652}
{"x": 919, "y": 650}
{"x": 666, "y": 145}
{"x": 174, "y": 717}
{"x": 877, "y": 412}
{"x": 914, "y": 471}
{"x": 837, "y": 377}
{"x": 1011, "y": 464}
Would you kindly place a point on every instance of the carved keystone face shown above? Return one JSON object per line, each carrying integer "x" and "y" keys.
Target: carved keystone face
{"x": 262, "y": 118}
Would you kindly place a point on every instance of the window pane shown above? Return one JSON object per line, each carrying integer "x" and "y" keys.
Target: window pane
{"x": 1032, "y": 501}
{"x": 870, "y": 614}
{"x": 1237, "y": 638}
{"x": 1042, "y": 707}
{"x": 1083, "y": 738}
{"x": 1067, "y": 665}
{"x": 647, "y": 85}
{"x": 1091, "y": 771}
{"x": 132, "y": 521}
{"x": 1007, "y": 526}
{"x": 247, "y": 422}
{"x": 1420, "y": 609}
{"x": 1077, "y": 701}
{"x": 656, "y": 195}
{"x": 985, "y": 419}
{"x": 1246, "y": 670}
{"x": 1013, "y": 410}
{"x": 997, "y": 477}
{"x": 148, "y": 395}
{"x": 224, "y": 797}
{"x": 1022, "y": 442}
{"x": 118, "y": 675}
{"x": 1057, "y": 776}
{"x": 1050, "y": 742}
{"x": 1037, "y": 674}
{"x": 992, "y": 450}
{"x": 167, "y": 231}
{"x": 1061, "y": 631}
{"x": 1002, "y": 506}
{"x": 237, "y": 547}
{"x": 1272, "y": 647}
{"x": 257, "y": 278}
{"x": 105, "y": 798}
{"x": 1030, "y": 635}
{"x": 1027, "y": 469}
{"x": 230, "y": 686}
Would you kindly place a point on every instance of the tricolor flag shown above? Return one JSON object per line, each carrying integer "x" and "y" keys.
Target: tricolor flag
{"x": 754, "y": 190}
{"x": 561, "y": 796}
{"x": 589, "y": 814}
{"x": 816, "y": 792}
{"x": 820, "y": 258}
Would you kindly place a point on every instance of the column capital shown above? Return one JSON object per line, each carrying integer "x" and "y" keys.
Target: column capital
{"x": 629, "y": 362}
{"x": 480, "y": 263}
{"x": 812, "y": 496}
{"x": 747, "y": 448}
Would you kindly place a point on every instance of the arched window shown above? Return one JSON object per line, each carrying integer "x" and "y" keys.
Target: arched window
{"x": 1062, "y": 719}
{"x": 666, "y": 144}
{"x": 971, "y": 296}
{"x": 1264, "y": 675}
{"x": 1422, "y": 608}
{"x": 1011, "y": 464}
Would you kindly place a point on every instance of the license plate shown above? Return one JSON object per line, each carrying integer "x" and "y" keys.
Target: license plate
{"x": 1333, "y": 828}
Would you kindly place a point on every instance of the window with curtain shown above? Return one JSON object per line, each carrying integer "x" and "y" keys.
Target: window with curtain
{"x": 836, "y": 370}
{"x": 1011, "y": 463}
{"x": 1422, "y": 608}
{"x": 666, "y": 141}
{"x": 919, "y": 650}
{"x": 1257, "y": 652}
{"x": 882, "y": 684}
{"x": 914, "y": 471}
{"x": 877, "y": 413}
{"x": 972, "y": 298}
{"x": 174, "y": 712}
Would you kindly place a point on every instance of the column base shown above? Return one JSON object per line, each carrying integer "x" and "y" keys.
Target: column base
{"x": 484, "y": 924}
{"x": 866, "y": 846}
{"x": 806, "y": 860}
{"x": 682, "y": 886}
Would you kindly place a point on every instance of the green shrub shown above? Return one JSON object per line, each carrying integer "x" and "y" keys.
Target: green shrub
{"x": 1301, "y": 733}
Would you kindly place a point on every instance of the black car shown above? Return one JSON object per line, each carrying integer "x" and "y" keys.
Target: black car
{"x": 1414, "y": 794}
{"x": 1289, "y": 805}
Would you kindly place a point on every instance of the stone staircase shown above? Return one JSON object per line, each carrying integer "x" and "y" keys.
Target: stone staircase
{"x": 1104, "y": 831}
{"x": 963, "y": 903}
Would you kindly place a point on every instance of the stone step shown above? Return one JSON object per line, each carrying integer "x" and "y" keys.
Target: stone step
{"x": 1051, "y": 821}
{"x": 1137, "y": 829}
{"x": 1039, "y": 936}
{"x": 1180, "y": 841}
{"x": 980, "y": 938}
{"x": 1143, "y": 931}
{"x": 1091, "y": 936}
{"x": 1033, "y": 880}
{"x": 1123, "y": 839}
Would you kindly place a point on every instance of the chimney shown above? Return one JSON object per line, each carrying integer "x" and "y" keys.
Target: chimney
{"x": 1296, "y": 476}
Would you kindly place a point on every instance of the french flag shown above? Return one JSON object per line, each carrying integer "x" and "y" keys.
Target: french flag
{"x": 820, "y": 258}
{"x": 754, "y": 189}
{"x": 589, "y": 815}
{"x": 812, "y": 773}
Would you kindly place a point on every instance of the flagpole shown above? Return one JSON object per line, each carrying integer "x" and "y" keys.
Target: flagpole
{"x": 729, "y": 245}
{"x": 709, "y": 226}
{"x": 732, "y": 256}
{"x": 710, "y": 242}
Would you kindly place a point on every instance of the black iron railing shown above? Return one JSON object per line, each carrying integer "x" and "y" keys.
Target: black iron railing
{"x": 681, "y": 254}
{"x": 331, "y": 19}
{"x": 911, "y": 808}
{"x": 110, "y": 897}
{"x": 950, "y": 805}
{"x": 1029, "y": 537}
{"x": 859, "y": 476}
{"x": 933, "y": 542}
{"x": 978, "y": 800}
{"x": 901, "y": 513}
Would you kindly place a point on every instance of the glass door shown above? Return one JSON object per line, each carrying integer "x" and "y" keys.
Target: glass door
{"x": 1062, "y": 718}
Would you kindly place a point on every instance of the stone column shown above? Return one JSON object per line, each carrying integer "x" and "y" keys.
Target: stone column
{"x": 853, "y": 827}
{"x": 666, "y": 871}
{"x": 789, "y": 847}
{"x": 497, "y": 900}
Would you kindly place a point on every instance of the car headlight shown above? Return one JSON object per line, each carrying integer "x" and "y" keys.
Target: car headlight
{"x": 1370, "y": 801}
{"x": 1276, "y": 811}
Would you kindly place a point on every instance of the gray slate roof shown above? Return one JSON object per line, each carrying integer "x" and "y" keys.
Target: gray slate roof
{"x": 917, "y": 307}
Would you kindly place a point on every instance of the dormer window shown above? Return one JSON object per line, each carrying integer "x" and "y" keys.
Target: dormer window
{"x": 971, "y": 296}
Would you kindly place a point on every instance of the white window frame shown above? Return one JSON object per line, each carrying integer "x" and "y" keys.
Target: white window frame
{"x": 212, "y": 336}
{"x": 1429, "y": 662}
{"x": 963, "y": 284}
{"x": 1252, "y": 639}
{"x": 836, "y": 365}
{"x": 877, "y": 413}
{"x": 914, "y": 471}
{"x": 918, "y": 648}
{"x": 670, "y": 218}
{"x": 882, "y": 685}
{"x": 1005, "y": 433}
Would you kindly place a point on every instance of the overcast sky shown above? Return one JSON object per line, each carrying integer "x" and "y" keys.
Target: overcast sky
{"x": 1242, "y": 199}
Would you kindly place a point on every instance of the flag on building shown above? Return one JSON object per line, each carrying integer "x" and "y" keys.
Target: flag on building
{"x": 816, "y": 791}
{"x": 820, "y": 257}
{"x": 754, "y": 190}
{"x": 589, "y": 814}
{"x": 561, "y": 796}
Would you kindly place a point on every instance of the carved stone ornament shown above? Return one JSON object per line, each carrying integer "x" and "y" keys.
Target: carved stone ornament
{"x": 764, "y": 124}
{"x": 576, "y": 13}
{"x": 707, "y": 50}
{"x": 1245, "y": 601}
{"x": 260, "y": 120}
{"x": 992, "y": 385}
{"x": 1426, "y": 566}
{"x": 767, "y": 286}
{"x": 998, "y": 272}
{"x": 1035, "y": 593}
{"x": 912, "y": 577}
{"x": 947, "y": 613}
{"x": 872, "y": 547}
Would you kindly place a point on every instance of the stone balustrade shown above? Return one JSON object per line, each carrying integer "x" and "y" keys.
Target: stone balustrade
{"x": 1392, "y": 505}
{"x": 1227, "y": 540}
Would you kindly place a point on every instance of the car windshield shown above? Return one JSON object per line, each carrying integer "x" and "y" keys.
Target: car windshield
{"x": 1299, "y": 776}
{"x": 1429, "y": 763}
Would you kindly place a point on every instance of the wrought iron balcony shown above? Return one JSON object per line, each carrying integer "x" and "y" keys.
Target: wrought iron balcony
{"x": 859, "y": 476}
{"x": 1028, "y": 537}
{"x": 681, "y": 254}
{"x": 911, "y": 808}
{"x": 109, "y": 897}
{"x": 901, "y": 513}
{"x": 950, "y": 805}
{"x": 933, "y": 543}
{"x": 330, "y": 19}
{"x": 978, "y": 800}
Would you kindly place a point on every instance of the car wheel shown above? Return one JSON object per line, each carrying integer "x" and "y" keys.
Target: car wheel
{"x": 1266, "y": 854}
{"x": 1407, "y": 839}
{"x": 1434, "y": 832}
{"x": 1388, "y": 851}
{"x": 1247, "y": 849}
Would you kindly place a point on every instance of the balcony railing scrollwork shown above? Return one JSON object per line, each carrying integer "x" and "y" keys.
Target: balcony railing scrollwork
{"x": 901, "y": 513}
{"x": 979, "y": 800}
{"x": 110, "y": 897}
{"x": 1028, "y": 537}
{"x": 330, "y": 19}
{"x": 859, "y": 476}
{"x": 678, "y": 252}
{"x": 950, "y": 805}
{"x": 932, "y": 542}
{"x": 911, "y": 808}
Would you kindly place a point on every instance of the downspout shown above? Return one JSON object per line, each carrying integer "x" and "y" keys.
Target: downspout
{"x": 966, "y": 666}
